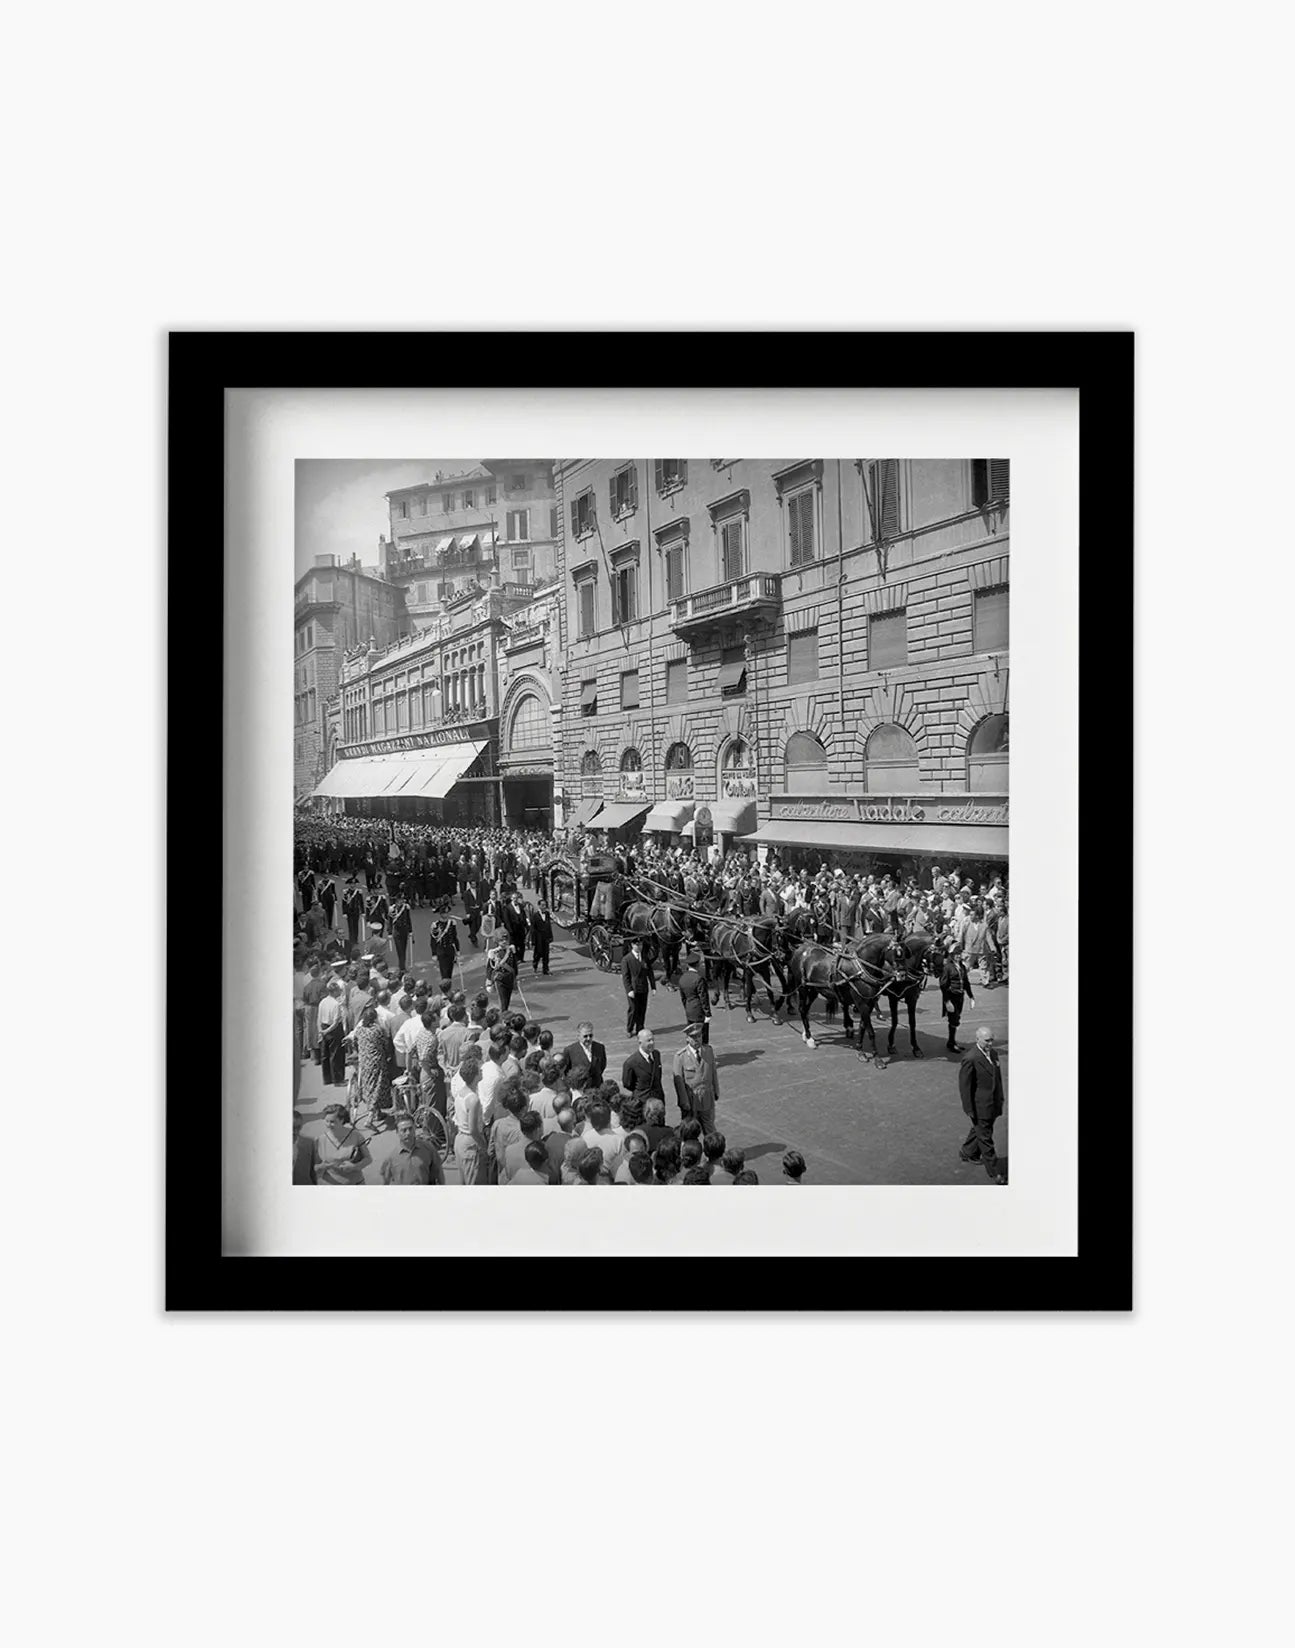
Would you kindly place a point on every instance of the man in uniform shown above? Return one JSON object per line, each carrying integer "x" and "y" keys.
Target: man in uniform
{"x": 955, "y": 988}
{"x": 696, "y": 1078}
{"x": 638, "y": 978}
{"x": 445, "y": 941}
{"x": 980, "y": 1087}
{"x": 693, "y": 995}
{"x": 471, "y": 904}
{"x": 353, "y": 910}
{"x": 326, "y": 893}
{"x": 379, "y": 909}
{"x": 402, "y": 928}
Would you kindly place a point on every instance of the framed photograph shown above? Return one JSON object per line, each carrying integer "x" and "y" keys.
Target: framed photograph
{"x": 650, "y": 823}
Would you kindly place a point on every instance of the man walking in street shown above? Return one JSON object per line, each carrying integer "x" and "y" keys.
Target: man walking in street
{"x": 693, "y": 995}
{"x": 638, "y": 978}
{"x": 541, "y": 937}
{"x": 955, "y": 987}
{"x": 980, "y": 1086}
{"x": 353, "y": 910}
{"x": 641, "y": 1072}
{"x": 402, "y": 927}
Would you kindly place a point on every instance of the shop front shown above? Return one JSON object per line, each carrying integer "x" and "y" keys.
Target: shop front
{"x": 620, "y": 819}
{"x": 668, "y": 819}
{"x": 439, "y": 777}
{"x": 888, "y": 834}
{"x": 528, "y": 795}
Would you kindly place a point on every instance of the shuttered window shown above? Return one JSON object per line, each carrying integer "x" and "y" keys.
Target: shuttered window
{"x": 990, "y": 480}
{"x": 805, "y": 765}
{"x": 989, "y": 620}
{"x": 674, "y": 579}
{"x": 589, "y": 696}
{"x": 883, "y": 498}
{"x": 802, "y": 658}
{"x": 733, "y": 549}
{"x": 890, "y": 762}
{"x": 800, "y": 526}
{"x": 676, "y": 681}
{"x": 624, "y": 490}
{"x": 625, "y": 594}
{"x": 669, "y": 473}
{"x": 732, "y": 672}
{"x": 887, "y": 640}
{"x": 582, "y": 514}
{"x": 587, "y": 607}
{"x": 553, "y": 522}
{"x": 630, "y": 690}
{"x": 518, "y": 525}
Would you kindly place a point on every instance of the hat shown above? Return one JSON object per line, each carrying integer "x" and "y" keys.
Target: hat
{"x": 375, "y": 926}
{"x": 694, "y": 1027}
{"x": 338, "y": 961}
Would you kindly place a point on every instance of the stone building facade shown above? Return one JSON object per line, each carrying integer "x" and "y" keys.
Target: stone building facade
{"x": 530, "y": 708}
{"x": 807, "y": 654}
{"x": 338, "y": 607}
{"x": 483, "y": 524}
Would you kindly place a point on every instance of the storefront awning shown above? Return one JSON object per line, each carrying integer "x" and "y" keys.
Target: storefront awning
{"x": 669, "y": 815}
{"x": 617, "y": 814}
{"x": 951, "y": 841}
{"x": 427, "y": 775}
{"x": 585, "y": 811}
{"x": 732, "y": 817}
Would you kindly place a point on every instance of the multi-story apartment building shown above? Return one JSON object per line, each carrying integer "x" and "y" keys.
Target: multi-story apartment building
{"x": 491, "y": 523}
{"x": 419, "y": 718}
{"x": 808, "y": 653}
{"x": 530, "y": 708}
{"x": 337, "y": 608}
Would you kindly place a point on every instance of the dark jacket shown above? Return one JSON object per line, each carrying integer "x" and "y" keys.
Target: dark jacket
{"x": 637, "y": 976}
{"x": 585, "y": 1069}
{"x": 642, "y": 1076}
{"x": 541, "y": 928}
{"x": 980, "y": 1085}
{"x": 693, "y": 995}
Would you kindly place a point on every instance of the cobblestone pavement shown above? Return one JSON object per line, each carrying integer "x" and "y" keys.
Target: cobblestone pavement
{"x": 853, "y": 1123}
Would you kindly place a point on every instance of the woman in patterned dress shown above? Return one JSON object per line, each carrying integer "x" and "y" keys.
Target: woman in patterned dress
{"x": 375, "y": 1065}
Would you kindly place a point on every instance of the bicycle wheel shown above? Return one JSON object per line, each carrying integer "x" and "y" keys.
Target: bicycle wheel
{"x": 430, "y": 1125}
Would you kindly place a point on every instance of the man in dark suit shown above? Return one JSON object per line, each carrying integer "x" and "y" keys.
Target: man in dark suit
{"x": 541, "y": 936}
{"x": 585, "y": 1060}
{"x": 641, "y": 1072}
{"x": 472, "y": 908}
{"x": 980, "y": 1085}
{"x": 693, "y": 995}
{"x": 353, "y": 910}
{"x": 638, "y": 978}
{"x": 955, "y": 989}
{"x": 516, "y": 923}
{"x": 402, "y": 927}
{"x": 379, "y": 910}
{"x": 326, "y": 893}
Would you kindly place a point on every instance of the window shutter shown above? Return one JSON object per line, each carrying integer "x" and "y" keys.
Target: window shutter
{"x": 890, "y": 496}
{"x": 658, "y": 479}
{"x": 793, "y": 528}
{"x": 999, "y": 479}
{"x": 732, "y": 547}
{"x": 634, "y": 488}
{"x": 612, "y": 500}
{"x": 682, "y": 471}
{"x": 575, "y": 517}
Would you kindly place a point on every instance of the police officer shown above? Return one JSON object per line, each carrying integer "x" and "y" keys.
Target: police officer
{"x": 445, "y": 941}
{"x": 402, "y": 927}
{"x": 353, "y": 910}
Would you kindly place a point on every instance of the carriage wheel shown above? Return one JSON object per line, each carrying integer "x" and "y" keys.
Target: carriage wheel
{"x": 600, "y": 944}
{"x": 578, "y": 927}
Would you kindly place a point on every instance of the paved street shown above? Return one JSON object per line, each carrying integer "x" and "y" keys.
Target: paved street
{"x": 854, "y": 1124}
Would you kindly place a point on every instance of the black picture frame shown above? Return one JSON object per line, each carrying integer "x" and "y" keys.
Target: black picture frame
{"x": 1099, "y": 365}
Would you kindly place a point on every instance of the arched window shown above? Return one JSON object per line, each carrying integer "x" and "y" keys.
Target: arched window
{"x": 890, "y": 761}
{"x": 806, "y": 765}
{"x": 590, "y": 772}
{"x": 987, "y": 755}
{"x": 631, "y": 761}
{"x": 737, "y": 778}
{"x": 678, "y": 758}
{"x": 529, "y": 729}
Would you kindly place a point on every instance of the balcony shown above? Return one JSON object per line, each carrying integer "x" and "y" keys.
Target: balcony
{"x": 756, "y": 592}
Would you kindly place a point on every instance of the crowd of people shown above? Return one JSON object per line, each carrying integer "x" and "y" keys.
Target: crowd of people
{"x": 394, "y": 1037}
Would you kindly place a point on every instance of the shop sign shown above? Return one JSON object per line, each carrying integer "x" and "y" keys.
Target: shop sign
{"x": 703, "y": 823}
{"x": 679, "y": 787}
{"x": 739, "y": 786}
{"x": 892, "y": 809}
{"x": 508, "y": 770}
{"x": 633, "y": 786}
{"x": 460, "y": 733}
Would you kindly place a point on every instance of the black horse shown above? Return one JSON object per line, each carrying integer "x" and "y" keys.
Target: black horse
{"x": 837, "y": 974}
{"x": 896, "y": 970}
{"x": 662, "y": 926}
{"x": 748, "y": 946}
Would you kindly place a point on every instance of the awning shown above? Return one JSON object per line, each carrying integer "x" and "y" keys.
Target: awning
{"x": 617, "y": 814}
{"x": 732, "y": 675}
{"x": 952, "y": 841}
{"x": 588, "y": 694}
{"x": 445, "y": 543}
{"x": 429, "y": 775}
{"x": 467, "y": 539}
{"x": 669, "y": 815}
{"x": 732, "y": 817}
{"x": 585, "y": 811}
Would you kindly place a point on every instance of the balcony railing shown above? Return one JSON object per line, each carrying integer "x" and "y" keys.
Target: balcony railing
{"x": 707, "y": 606}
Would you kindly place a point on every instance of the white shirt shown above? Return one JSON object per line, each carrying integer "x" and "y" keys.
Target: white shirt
{"x": 491, "y": 1077}
{"x": 406, "y": 1038}
{"x": 545, "y": 1103}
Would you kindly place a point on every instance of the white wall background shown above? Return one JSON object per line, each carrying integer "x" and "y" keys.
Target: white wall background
{"x": 905, "y": 1480}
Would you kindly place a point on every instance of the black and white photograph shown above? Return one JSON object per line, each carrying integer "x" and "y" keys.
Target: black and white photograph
{"x": 651, "y": 822}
